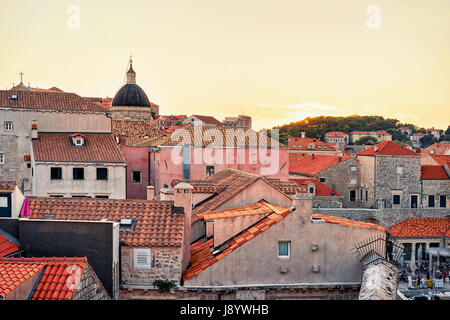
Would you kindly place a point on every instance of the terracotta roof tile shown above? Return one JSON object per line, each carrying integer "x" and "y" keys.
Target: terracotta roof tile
{"x": 61, "y": 101}
{"x": 7, "y": 186}
{"x": 201, "y": 256}
{"x": 13, "y": 274}
{"x": 347, "y": 222}
{"x": 7, "y": 247}
{"x": 310, "y": 144}
{"x": 208, "y": 120}
{"x": 422, "y": 227}
{"x": 99, "y": 147}
{"x": 156, "y": 223}
{"x": 433, "y": 173}
{"x": 322, "y": 190}
{"x": 314, "y": 165}
{"x": 388, "y": 148}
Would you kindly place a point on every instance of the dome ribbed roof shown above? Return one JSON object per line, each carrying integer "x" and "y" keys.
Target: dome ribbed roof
{"x": 131, "y": 95}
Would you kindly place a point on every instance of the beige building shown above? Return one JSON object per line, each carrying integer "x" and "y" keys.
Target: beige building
{"x": 380, "y": 135}
{"x": 77, "y": 165}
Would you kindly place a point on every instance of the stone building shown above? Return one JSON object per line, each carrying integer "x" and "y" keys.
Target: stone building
{"x": 263, "y": 252}
{"x": 435, "y": 186}
{"x": 241, "y": 121}
{"x": 77, "y": 165}
{"x": 49, "y": 279}
{"x": 342, "y": 173}
{"x": 391, "y": 175}
{"x": 380, "y": 135}
{"x": 52, "y": 111}
{"x": 154, "y": 235}
{"x": 312, "y": 146}
{"x": 200, "y": 120}
{"x": 341, "y": 138}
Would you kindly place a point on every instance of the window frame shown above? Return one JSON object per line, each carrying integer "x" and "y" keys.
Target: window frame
{"x": 209, "y": 167}
{"x": 60, "y": 173}
{"x": 399, "y": 199}
{"x": 288, "y": 256}
{"x": 431, "y": 196}
{"x": 79, "y": 170}
{"x": 8, "y": 123}
{"x": 2, "y": 158}
{"x": 132, "y": 176}
{"x": 97, "y": 175}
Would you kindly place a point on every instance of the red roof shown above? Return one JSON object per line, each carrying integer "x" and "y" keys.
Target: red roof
{"x": 314, "y": 165}
{"x": 433, "y": 173}
{"x": 306, "y": 143}
{"x": 13, "y": 274}
{"x": 156, "y": 224}
{"x": 7, "y": 247}
{"x": 336, "y": 133}
{"x": 7, "y": 186}
{"x": 322, "y": 190}
{"x": 421, "y": 227}
{"x": 208, "y": 120}
{"x": 58, "y": 147}
{"x": 347, "y": 222}
{"x": 62, "y": 101}
{"x": 381, "y": 132}
{"x": 388, "y": 148}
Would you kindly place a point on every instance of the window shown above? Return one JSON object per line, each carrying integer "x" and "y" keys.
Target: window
{"x": 322, "y": 179}
{"x": 352, "y": 181}
{"x": 101, "y": 197}
{"x": 431, "y": 201}
{"x": 367, "y": 195}
{"x": 399, "y": 170}
{"x": 284, "y": 249}
{"x": 396, "y": 199}
{"x": 311, "y": 189}
{"x": 293, "y": 146}
{"x": 209, "y": 171}
{"x": 55, "y": 173}
{"x": 443, "y": 201}
{"x": 8, "y": 126}
{"x": 353, "y": 168}
{"x": 78, "y": 173}
{"x": 56, "y": 195}
{"x": 142, "y": 259}
{"x": 2, "y": 158}
{"x": 136, "y": 177}
{"x": 352, "y": 195}
{"x": 361, "y": 194}
{"x": 102, "y": 173}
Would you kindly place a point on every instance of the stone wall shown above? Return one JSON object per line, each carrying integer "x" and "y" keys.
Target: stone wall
{"x": 90, "y": 287}
{"x": 436, "y": 188}
{"x": 166, "y": 265}
{"x": 11, "y": 165}
{"x": 388, "y": 180}
{"x": 386, "y": 217}
{"x": 379, "y": 282}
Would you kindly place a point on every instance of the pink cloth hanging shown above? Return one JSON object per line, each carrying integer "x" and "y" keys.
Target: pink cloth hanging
{"x": 25, "y": 212}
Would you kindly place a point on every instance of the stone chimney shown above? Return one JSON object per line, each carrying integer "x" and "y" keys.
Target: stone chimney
{"x": 34, "y": 131}
{"x": 183, "y": 199}
{"x": 303, "y": 135}
{"x": 303, "y": 207}
{"x": 166, "y": 194}
{"x": 150, "y": 192}
{"x": 375, "y": 148}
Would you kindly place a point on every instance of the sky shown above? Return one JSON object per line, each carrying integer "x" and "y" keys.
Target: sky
{"x": 278, "y": 61}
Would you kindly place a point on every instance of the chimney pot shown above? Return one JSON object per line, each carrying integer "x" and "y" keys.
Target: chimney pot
{"x": 183, "y": 198}
{"x": 34, "y": 131}
{"x": 303, "y": 206}
{"x": 150, "y": 192}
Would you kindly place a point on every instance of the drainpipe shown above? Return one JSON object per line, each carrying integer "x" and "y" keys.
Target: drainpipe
{"x": 421, "y": 194}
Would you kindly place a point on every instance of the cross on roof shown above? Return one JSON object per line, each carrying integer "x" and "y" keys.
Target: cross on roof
{"x": 21, "y": 75}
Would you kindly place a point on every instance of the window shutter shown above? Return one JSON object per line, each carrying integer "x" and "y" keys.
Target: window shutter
{"x": 142, "y": 259}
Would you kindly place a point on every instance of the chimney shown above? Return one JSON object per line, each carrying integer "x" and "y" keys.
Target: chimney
{"x": 375, "y": 148}
{"x": 166, "y": 194}
{"x": 303, "y": 135}
{"x": 34, "y": 131}
{"x": 339, "y": 159}
{"x": 150, "y": 192}
{"x": 183, "y": 198}
{"x": 303, "y": 207}
{"x": 313, "y": 155}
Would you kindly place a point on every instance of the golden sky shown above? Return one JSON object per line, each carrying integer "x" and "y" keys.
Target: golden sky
{"x": 278, "y": 61}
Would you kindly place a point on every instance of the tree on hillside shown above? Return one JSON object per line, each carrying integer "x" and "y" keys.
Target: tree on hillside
{"x": 366, "y": 140}
{"x": 427, "y": 140}
{"x": 446, "y": 136}
{"x": 179, "y": 123}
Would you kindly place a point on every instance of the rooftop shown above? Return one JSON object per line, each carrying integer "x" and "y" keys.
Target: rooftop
{"x": 322, "y": 190}
{"x": 58, "y": 147}
{"x": 208, "y": 120}
{"x": 434, "y": 173}
{"x": 156, "y": 223}
{"x": 313, "y": 165}
{"x": 61, "y": 101}
{"x": 7, "y": 186}
{"x": 7, "y": 247}
{"x": 310, "y": 144}
{"x": 421, "y": 227}
{"x": 388, "y": 148}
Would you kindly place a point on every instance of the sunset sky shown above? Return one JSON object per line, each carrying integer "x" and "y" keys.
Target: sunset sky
{"x": 277, "y": 61}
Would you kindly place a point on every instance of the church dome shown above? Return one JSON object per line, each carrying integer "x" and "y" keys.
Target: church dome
{"x": 131, "y": 94}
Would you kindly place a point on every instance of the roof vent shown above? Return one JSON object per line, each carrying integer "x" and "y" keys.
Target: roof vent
{"x": 317, "y": 220}
{"x": 431, "y": 151}
{"x": 127, "y": 223}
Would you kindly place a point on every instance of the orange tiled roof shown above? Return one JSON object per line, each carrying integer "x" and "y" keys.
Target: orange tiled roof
{"x": 156, "y": 223}
{"x": 201, "y": 186}
{"x": 7, "y": 247}
{"x": 388, "y": 148}
{"x": 296, "y": 156}
{"x": 305, "y": 143}
{"x": 421, "y": 227}
{"x": 202, "y": 258}
{"x": 208, "y": 120}
{"x": 135, "y": 129}
{"x": 261, "y": 207}
{"x": 7, "y": 186}
{"x": 322, "y": 190}
{"x": 61, "y": 101}
{"x": 287, "y": 187}
{"x": 314, "y": 165}
{"x": 433, "y": 173}
{"x": 99, "y": 147}
{"x": 13, "y": 274}
{"x": 347, "y": 222}
{"x": 440, "y": 159}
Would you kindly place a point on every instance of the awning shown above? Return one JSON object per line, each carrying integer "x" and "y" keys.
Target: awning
{"x": 443, "y": 252}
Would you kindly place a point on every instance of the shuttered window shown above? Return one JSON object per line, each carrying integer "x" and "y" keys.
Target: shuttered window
{"x": 142, "y": 259}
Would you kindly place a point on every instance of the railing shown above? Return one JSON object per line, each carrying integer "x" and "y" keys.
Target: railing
{"x": 378, "y": 248}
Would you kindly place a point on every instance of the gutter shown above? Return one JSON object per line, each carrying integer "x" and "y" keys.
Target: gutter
{"x": 36, "y": 283}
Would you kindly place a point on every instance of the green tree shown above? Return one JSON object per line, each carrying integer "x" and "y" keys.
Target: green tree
{"x": 179, "y": 123}
{"x": 366, "y": 140}
{"x": 427, "y": 140}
